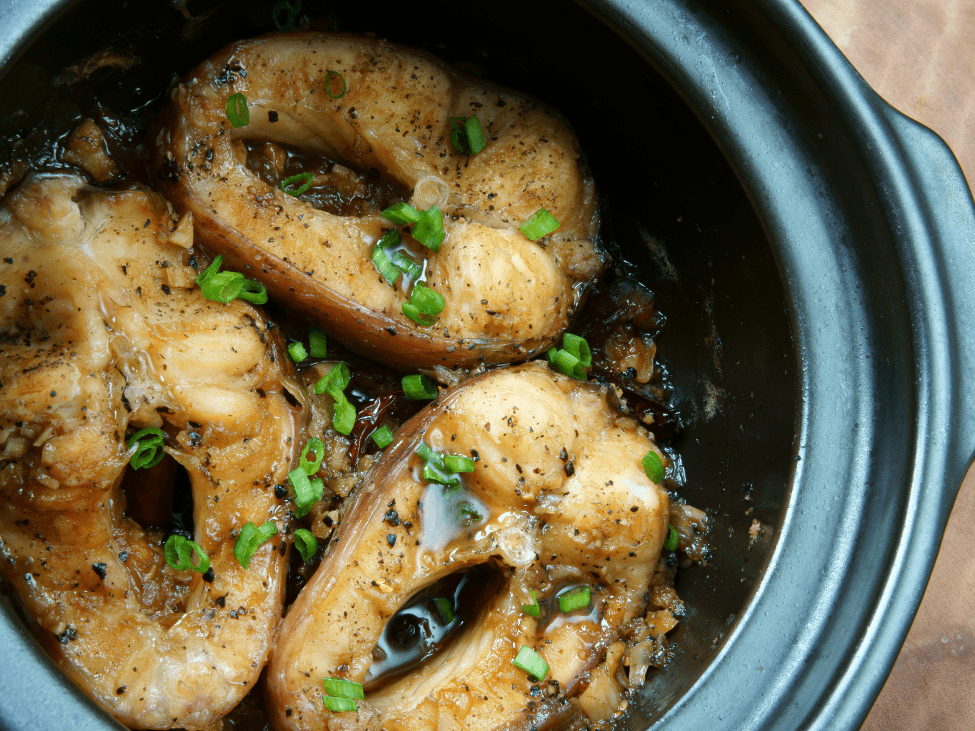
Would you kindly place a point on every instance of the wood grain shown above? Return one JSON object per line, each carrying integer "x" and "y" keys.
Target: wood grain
{"x": 919, "y": 55}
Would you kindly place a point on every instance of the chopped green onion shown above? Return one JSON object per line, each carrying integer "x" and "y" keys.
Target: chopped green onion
{"x": 223, "y": 287}
{"x": 149, "y": 448}
{"x": 306, "y": 543}
{"x": 383, "y": 436}
{"x": 343, "y": 418}
{"x": 576, "y": 599}
{"x": 458, "y": 463}
{"x": 341, "y": 695}
{"x": 445, "y": 608}
{"x": 307, "y": 492}
{"x": 316, "y": 343}
{"x": 419, "y": 388}
{"x": 429, "y": 229}
{"x": 653, "y": 466}
{"x": 428, "y": 454}
{"x": 210, "y": 270}
{"x": 335, "y": 382}
{"x": 237, "y": 111}
{"x": 328, "y": 77}
{"x": 414, "y": 314}
{"x": 401, "y": 214}
{"x": 573, "y": 358}
{"x": 297, "y": 352}
{"x": 179, "y": 554}
{"x": 292, "y": 10}
{"x": 340, "y": 688}
{"x": 406, "y": 265}
{"x": 384, "y": 265}
{"x": 466, "y": 135}
{"x": 302, "y": 180}
{"x": 254, "y": 292}
{"x": 250, "y": 539}
{"x": 475, "y": 135}
{"x": 434, "y": 473}
{"x": 390, "y": 239}
{"x": 531, "y": 662}
{"x": 469, "y": 515}
{"x": 566, "y": 363}
{"x": 339, "y": 705}
{"x": 317, "y": 449}
{"x": 540, "y": 223}
{"x": 577, "y": 347}
{"x": 673, "y": 539}
{"x": 424, "y": 305}
{"x": 532, "y": 610}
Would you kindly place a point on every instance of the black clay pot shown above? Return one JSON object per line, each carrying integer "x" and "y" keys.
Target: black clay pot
{"x": 813, "y": 250}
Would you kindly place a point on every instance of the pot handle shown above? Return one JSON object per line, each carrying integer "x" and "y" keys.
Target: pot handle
{"x": 942, "y": 187}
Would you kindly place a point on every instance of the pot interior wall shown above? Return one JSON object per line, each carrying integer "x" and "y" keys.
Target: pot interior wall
{"x": 673, "y": 207}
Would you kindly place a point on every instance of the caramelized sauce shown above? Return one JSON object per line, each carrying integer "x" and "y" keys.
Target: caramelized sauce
{"x": 421, "y": 629}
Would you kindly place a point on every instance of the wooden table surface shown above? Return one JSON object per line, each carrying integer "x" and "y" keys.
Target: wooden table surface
{"x": 919, "y": 55}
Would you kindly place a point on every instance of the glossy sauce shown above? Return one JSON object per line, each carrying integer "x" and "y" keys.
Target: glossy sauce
{"x": 421, "y": 629}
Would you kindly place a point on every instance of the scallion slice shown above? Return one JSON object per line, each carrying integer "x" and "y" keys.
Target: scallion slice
{"x": 383, "y": 436}
{"x": 149, "y": 448}
{"x": 317, "y": 450}
{"x": 249, "y": 540}
{"x": 297, "y": 352}
{"x": 179, "y": 554}
{"x": 673, "y": 538}
{"x": 316, "y": 343}
{"x": 475, "y": 135}
{"x": 328, "y": 84}
{"x": 458, "y": 463}
{"x": 576, "y": 599}
{"x": 573, "y": 358}
{"x": 237, "y": 111}
{"x": 210, "y": 270}
{"x": 445, "y": 608}
{"x": 307, "y": 492}
{"x": 306, "y": 543}
{"x": 653, "y": 466}
{"x": 301, "y": 180}
{"x": 341, "y": 695}
{"x": 406, "y": 265}
{"x": 223, "y": 287}
{"x": 339, "y": 705}
{"x": 469, "y": 515}
{"x": 384, "y": 265}
{"x": 424, "y": 305}
{"x": 419, "y": 388}
{"x": 434, "y": 473}
{"x": 429, "y": 228}
{"x": 254, "y": 292}
{"x": 533, "y": 609}
{"x": 540, "y": 223}
{"x": 531, "y": 662}
{"x": 401, "y": 214}
{"x": 429, "y": 454}
{"x": 343, "y": 417}
{"x": 577, "y": 347}
{"x": 341, "y": 688}
{"x": 335, "y": 382}
{"x": 390, "y": 239}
